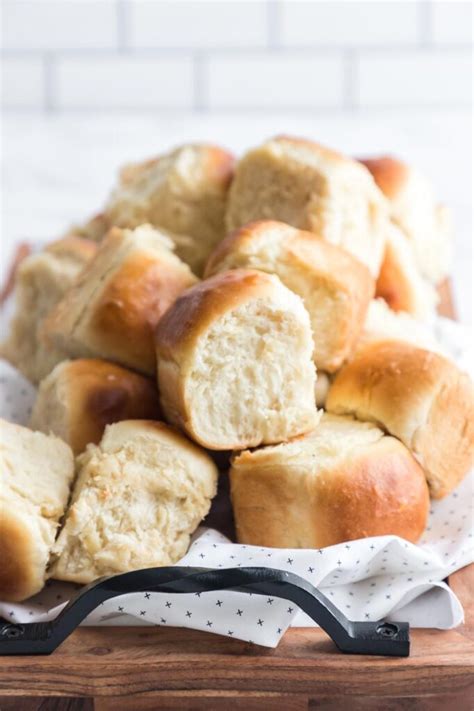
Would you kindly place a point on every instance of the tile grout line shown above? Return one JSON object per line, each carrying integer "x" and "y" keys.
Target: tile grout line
{"x": 49, "y": 69}
{"x": 425, "y": 23}
{"x": 123, "y": 21}
{"x": 273, "y": 23}
{"x": 200, "y": 92}
{"x": 350, "y": 80}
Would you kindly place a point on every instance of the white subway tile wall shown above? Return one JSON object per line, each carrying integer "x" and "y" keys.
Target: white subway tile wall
{"x": 222, "y": 55}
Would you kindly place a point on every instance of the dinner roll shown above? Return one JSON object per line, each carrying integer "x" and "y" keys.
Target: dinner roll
{"x": 80, "y": 397}
{"x": 235, "y": 365}
{"x": 113, "y": 308}
{"x": 400, "y": 282}
{"x": 420, "y": 397}
{"x": 183, "y": 192}
{"x": 342, "y": 481}
{"x": 335, "y": 287}
{"x": 381, "y": 324}
{"x": 315, "y": 189}
{"x": 36, "y": 474}
{"x": 138, "y": 497}
{"x": 41, "y": 281}
{"x": 414, "y": 209}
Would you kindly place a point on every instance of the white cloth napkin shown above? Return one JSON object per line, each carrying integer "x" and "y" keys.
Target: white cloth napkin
{"x": 368, "y": 579}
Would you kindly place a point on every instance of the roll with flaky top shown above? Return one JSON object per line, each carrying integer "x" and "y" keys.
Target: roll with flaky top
{"x": 342, "y": 481}
{"x": 80, "y": 397}
{"x": 335, "y": 287}
{"x": 235, "y": 365}
{"x": 114, "y": 306}
{"x": 418, "y": 396}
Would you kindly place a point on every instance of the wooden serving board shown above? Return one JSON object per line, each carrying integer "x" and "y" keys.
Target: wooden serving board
{"x": 134, "y": 668}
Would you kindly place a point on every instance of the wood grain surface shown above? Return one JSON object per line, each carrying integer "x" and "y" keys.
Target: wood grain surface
{"x": 138, "y": 668}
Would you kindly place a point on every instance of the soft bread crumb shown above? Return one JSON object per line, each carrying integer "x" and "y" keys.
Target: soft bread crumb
{"x": 139, "y": 496}
{"x": 36, "y": 474}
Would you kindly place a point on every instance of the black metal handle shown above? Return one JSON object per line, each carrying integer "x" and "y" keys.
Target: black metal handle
{"x": 380, "y": 638}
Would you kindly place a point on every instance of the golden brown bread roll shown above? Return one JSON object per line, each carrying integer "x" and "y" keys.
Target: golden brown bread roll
{"x": 400, "y": 282}
{"x": 41, "y": 281}
{"x": 235, "y": 365}
{"x": 342, "y": 481}
{"x": 414, "y": 209}
{"x": 335, "y": 287}
{"x": 80, "y": 397}
{"x": 420, "y": 397}
{"x": 138, "y": 497}
{"x": 183, "y": 192}
{"x": 311, "y": 187}
{"x": 36, "y": 474}
{"x": 113, "y": 308}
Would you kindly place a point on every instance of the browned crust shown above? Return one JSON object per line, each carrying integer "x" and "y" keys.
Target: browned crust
{"x": 220, "y": 166}
{"x": 391, "y": 382}
{"x": 99, "y": 393}
{"x": 392, "y": 284}
{"x": 389, "y": 174}
{"x": 20, "y": 574}
{"x": 200, "y": 306}
{"x": 132, "y": 304}
{"x": 380, "y": 490}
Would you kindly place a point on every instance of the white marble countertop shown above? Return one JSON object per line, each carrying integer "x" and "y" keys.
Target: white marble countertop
{"x": 58, "y": 170}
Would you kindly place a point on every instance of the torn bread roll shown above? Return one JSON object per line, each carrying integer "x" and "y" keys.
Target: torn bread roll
{"x": 41, "y": 281}
{"x": 342, "y": 481}
{"x": 113, "y": 308}
{"x": 36, "y": 474}
{"x": 80, "y": 397}
{"x": 138, "y": 497}
{"x": 418, "y": 396}
{"x": 235, "y": 366}
{"x": 414, "y": 209}
{"x": 335, "y": 287}
{"x": 183, "y": 192}
{"x": 400, "y": 282}
{"x": 313, "y": 188}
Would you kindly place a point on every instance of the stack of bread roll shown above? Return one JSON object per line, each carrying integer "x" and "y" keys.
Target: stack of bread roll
{"x": 271, "y": 308}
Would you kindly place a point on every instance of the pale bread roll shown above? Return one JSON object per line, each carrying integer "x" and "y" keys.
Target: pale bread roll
{"x": 80, "y": 397}
{"x": 183, "y": 192}
{"x": 41, "y": 281}
{"x": 138, "y": 497}
{"x": 113, "y": 308}
{"x": 418, "y": 396}
{"x": 343, "y": 481}
{"x": 235, "y": 366}
{"x": 36, "y": 474}
{"x": 414, "y": 209}
{"x": 400, "y": 281}
{"x": 313, "y": 188}
{"x": 335, "y": 287}
{"x": 381, "y": 324}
